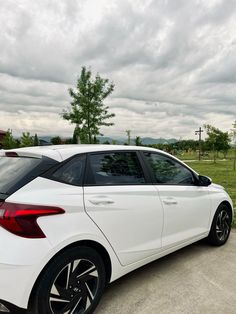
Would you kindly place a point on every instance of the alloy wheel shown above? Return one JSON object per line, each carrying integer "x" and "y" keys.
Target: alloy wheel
{"x": 74, "y": 288}
{"x": 223, "y": 225}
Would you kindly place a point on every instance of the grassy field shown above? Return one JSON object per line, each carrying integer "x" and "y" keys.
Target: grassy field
{"x": 209, "y": 155}
{"x": 221, "y": 173}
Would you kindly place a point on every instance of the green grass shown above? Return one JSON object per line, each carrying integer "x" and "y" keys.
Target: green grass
{"x": 221, "y": 173}
{"x": 209, "y": 155}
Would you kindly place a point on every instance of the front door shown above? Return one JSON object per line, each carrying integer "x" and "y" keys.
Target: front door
{"x": 187, "y": 207}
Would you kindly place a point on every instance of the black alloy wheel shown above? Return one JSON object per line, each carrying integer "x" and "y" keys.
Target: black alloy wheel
{"x": 221, "y": 226}
{"x": 73, "y": 283}
{"x": 223, "y": 223}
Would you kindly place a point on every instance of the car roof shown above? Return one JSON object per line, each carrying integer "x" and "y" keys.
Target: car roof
{"x": 62, "y": 152}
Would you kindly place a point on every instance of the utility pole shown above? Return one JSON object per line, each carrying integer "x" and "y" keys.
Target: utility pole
{"x": 199, "y": 133}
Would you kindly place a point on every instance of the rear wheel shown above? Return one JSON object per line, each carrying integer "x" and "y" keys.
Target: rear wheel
{"x": 73, "y": 283}
{"x": 221, "y": 226}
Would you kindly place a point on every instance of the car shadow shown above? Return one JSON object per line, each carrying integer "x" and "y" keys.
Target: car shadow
{"x": 137, "y": 281}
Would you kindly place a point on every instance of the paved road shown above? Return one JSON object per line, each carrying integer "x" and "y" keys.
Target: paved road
{"x": 197, "y": 279}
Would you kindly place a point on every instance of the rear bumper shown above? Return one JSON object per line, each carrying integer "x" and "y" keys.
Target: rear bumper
{"x": 16, "y": 283}
{"x": 20, "y": 260}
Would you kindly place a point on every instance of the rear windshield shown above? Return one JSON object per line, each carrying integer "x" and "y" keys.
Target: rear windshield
{"x": 14, "y": 169}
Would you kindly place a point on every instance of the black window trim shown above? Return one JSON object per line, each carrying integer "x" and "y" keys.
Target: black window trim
{"x": 88, "y": 170}
{"x": 50, "y": 172}
{"x": 152, "y": 176}
{"x": 147, "y": 171}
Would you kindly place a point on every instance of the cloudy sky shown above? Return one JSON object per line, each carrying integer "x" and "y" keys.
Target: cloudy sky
{"x": 173, "y": 63}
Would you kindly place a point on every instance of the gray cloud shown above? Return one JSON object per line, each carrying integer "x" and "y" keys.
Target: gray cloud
{"x": 173, "y": 63}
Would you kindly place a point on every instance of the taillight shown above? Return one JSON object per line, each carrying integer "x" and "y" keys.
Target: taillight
{"x": 21, "y": 219}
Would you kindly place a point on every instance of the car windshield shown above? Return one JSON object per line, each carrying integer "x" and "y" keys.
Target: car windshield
{"x": 13, "y": 169}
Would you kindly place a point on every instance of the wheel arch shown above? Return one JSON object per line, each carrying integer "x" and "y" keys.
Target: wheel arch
{"x": 227, "y": 203}
{"x": 99, "y": 248}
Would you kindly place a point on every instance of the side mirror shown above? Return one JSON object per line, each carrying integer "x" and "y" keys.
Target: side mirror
{"x": 204, "y": 180}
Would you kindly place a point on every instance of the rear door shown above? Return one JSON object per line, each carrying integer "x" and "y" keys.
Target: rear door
{"x": 122, "y": 203}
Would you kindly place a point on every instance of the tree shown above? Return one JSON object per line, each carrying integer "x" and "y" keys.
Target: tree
{"x": 26, "y": 140}
{"x": 36, "y": 140}
{"x": 138, "y": 141}
{"x": 217, "y": 141}
{"x": 88, "y": 111}
{"x": 186, "y": 145}
{"x": 69, "y": 141}
{"x": 9, "y": 141}
{"x": 106, "y": 142}
{"x": 233, "y": 136}
{"x": 128, "y": 132}
{"x": 75, "y": 138}
{"x": 56, "y": 140}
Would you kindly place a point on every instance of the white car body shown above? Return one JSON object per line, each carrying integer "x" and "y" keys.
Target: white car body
{"x": 135, "y": 224}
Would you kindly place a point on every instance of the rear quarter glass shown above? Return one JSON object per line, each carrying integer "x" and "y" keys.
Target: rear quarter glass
{"x": 15, "y": 172}
{"x": 70, "y": 171}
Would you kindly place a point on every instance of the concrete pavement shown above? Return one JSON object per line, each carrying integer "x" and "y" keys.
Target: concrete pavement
{"x": 197, "y": 279}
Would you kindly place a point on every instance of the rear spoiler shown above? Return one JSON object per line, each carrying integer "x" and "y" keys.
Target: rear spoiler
{"x": 10, "y": 153}
{"x": 3, "y": 196}
{"x": 38, "y": 152}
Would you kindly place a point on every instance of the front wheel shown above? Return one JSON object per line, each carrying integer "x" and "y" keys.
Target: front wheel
{"x": 221, "y": 226}
{"x": 72, "y": 283}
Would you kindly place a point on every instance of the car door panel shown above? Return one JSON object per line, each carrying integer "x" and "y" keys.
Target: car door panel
{"x": 187, "y": 211}
{"x": 187, "y": 206}
{"x": 131, "y": 217}
{"x": 125, "y": 208}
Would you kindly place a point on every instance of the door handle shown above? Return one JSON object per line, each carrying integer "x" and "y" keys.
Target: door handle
{"x": 170, "y": 201}
{"x": 95, "y": 201}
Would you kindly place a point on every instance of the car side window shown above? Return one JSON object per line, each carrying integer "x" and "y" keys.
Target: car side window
{"x": 166, "y": 170}
{"x": 116, "y": 168}
{"x": 71, "y": 172}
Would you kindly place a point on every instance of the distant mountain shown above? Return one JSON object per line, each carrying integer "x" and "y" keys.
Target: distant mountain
{"x": 145, "y": 140}
{"x": 120, "y": 140}
{"x": 150, "y": 140}
{"x": 46, "y": 138}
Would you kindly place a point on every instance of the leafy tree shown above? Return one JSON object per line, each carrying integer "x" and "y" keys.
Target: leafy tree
{"x": 36, "y": 140}
{"x": 17, "y": 142}
{"x": 69, "y": 140}
{"x": 138, "y": 141}
{"x": 217, "y": 141}
{"x": 56, "y": 140}
{"x": 233, "y": 136}
{"x": 186, "y": 145}
{"x": 75, "y": 138}
{"x": 26, "y": 140}
{"x": 88, "y": 111}
{"x": 9, "y": 141}
{"x": 106, "y": 142}
{"x": 128, "y": 132}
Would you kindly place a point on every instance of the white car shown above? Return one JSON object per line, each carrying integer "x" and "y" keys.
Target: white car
{"x": 75, "y": 217}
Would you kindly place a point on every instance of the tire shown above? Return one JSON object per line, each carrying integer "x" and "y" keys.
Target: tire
{"x": 221, "y": 226}
{"x": 73, "y": 282}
